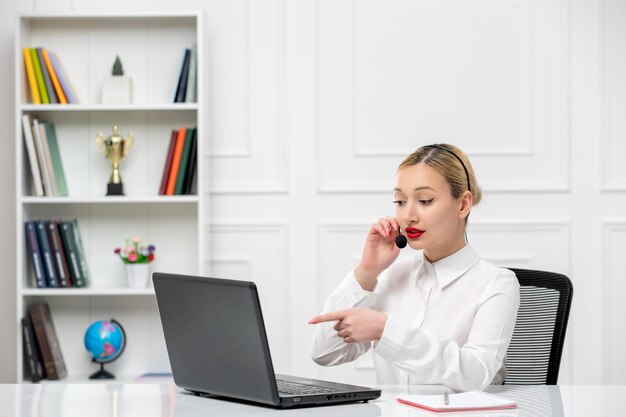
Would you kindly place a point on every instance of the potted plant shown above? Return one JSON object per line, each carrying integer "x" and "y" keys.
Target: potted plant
{"x": 137, "y": 257}
{"x": 117, "y": 88}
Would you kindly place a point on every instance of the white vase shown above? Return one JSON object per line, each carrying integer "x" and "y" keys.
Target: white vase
{"x": 137, "y": 275}
{"x": 117, "y": 89}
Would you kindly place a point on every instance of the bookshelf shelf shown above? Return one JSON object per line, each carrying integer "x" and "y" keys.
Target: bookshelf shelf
{"x": 101, "y": 107}
{"x": 86, "y": 292}
{"x": 176, "y": 199}
{"x": 151, "y": 47}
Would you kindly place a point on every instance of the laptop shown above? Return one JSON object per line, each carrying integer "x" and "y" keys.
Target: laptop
{"x": 217, "y": 345}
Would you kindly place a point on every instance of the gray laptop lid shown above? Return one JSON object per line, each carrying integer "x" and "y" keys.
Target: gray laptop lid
{"x": 215, "y": 336}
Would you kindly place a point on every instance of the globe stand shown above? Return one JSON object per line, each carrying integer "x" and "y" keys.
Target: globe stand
{"x": 102, "y": 374}
{"x": 105, "y": 345}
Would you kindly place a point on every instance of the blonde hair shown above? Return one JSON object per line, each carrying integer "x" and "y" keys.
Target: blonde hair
{"x": 443, "y": 158}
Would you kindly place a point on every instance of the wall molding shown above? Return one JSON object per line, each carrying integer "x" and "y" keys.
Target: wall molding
{"x": 560, "y": 182}
{"x": 609, "y": 227}
{"x": 607, "y": 82}
{"x": 247, "y": 155}
{"x": 527, "y": 149}
{"x": 281, "y": 284}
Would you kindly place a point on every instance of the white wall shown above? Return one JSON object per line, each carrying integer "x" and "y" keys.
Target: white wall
{"x": 312, "y": 104}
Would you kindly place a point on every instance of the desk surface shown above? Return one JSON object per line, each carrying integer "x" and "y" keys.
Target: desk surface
{"x": 167, "y": 400}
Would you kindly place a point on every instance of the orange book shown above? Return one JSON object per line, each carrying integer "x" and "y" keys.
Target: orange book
{"x": 53, "y": 76}
{"x": 30, "y": 73}
{"x": 178, "y": 151}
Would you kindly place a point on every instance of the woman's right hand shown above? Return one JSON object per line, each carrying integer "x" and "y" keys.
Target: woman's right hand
{"x": 380, "y": 251}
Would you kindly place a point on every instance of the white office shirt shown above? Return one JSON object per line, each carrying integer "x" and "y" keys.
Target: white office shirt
{"x": 449, "y": 322}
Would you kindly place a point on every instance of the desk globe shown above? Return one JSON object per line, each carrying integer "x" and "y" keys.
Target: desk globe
{"x": 105, "y": 340}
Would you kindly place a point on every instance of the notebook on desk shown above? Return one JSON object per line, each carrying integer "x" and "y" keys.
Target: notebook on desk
{"x": 217, "y": 345}
{"x": 465, "y": 401}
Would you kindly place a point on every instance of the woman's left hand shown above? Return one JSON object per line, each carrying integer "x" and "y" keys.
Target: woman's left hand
{"x": 355, "y": 325}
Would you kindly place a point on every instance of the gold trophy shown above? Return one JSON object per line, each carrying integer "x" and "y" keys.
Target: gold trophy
{"x": 115, "y": 148}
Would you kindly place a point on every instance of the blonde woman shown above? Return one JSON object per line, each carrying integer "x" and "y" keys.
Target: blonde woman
{"x": 442, "y": 316}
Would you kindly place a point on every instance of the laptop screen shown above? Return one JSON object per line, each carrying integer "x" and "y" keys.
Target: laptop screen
{"x": 215, "y": 336}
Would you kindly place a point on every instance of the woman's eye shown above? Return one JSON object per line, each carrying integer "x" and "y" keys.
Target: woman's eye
{"x": 399, "y": 203}
{"x": 426, "y": 202}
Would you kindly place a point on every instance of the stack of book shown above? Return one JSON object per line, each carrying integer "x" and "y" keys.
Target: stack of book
{"x": 42, "y": 351}
{"x": 56, "y": 253}
{"x": 47, "y": 81}
{"x": 179, "y": 170}
{"x": 185, "y": 89}
{"x": 44, "y": 157}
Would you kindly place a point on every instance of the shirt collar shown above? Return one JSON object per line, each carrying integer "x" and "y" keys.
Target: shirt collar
{"x": 453, "y": 266}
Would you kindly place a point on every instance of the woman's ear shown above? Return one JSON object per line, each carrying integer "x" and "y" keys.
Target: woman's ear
{"x": 467, "y": 200}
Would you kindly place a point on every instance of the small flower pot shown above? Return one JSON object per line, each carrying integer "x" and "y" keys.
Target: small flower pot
{"x": 137, "y": 275}
{"x": 117, "y": 89}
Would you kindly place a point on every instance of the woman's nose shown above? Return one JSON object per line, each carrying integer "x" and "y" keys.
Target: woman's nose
{"x": 410, "y": 214}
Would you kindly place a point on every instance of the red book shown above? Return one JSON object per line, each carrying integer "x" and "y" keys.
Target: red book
{"x": 168, "y": 163}
{"x": 178, "y": 151}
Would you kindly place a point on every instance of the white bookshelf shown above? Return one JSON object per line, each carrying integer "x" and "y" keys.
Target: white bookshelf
{"x": 150, "y": 46}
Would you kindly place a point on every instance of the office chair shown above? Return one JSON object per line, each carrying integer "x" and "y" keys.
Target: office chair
{"x": 534, "y": 355}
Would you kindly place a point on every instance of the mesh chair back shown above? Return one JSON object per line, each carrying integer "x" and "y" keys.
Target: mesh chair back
{"x": 534, "y": 355}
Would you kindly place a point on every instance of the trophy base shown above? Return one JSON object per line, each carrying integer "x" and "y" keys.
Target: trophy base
{"x": 115, "y": 189}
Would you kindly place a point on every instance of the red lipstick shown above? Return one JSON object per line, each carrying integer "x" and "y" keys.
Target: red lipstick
{"x": 413, "y": 233}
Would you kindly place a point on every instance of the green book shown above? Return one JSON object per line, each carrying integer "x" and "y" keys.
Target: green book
{"x": 71, "y": 252}
{"x": 55, "y": 155}
{"x": 82, "y": 259}
{"x": 47, "y": 80}
{"x": 39, "y": 76}
{"x": 184, "y": 161}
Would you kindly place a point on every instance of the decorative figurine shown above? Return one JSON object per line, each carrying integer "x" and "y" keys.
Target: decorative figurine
{"x": 117, "y": 88}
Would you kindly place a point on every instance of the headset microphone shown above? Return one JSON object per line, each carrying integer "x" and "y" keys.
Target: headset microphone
{"x": 401, "y": 241}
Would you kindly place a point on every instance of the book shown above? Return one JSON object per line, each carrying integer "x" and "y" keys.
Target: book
{"x": 48, "y": 158}
{"x": 32, "y": 246}
{"x": 52, "y": 96}
{"x": 178, "y": 151}
{"x": 168, "y": 162}
{"x": 180, "y": 73}
{"x": 191, "y": 168}
{"x": 53, "y": 77}
{"x": 56, "y": 245}
{"x": 163, "y": 377}
{"x": 39, "y": 77}
{"x": 465, "y": 401}
{"x": 32, "y": 357}
{"x": 30, "y": 76}
{"x": 41, "y": 157}
{"x": 190, "y": 93}
{"x": 48, "y": 341}
{"x": 63, "y": 80}
{"x": 82, "y": 259}
{"x": 49, "y": 267}
{"x": 184, "y": 162}
{"x": 57, "y": 163}
{"x": 29, "y": 141}
{"x": 182, "y": 81}
{"x": 71, "y": 252}
{"x": 193, "y": 185}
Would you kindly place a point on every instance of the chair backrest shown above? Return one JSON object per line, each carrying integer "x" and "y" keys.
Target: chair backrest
{"x": 534, "y": 355}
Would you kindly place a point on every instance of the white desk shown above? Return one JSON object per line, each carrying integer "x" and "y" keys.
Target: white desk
{"x": 163, "y": 400}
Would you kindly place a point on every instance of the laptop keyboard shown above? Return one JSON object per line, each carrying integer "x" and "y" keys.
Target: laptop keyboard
{"x": 300, "y": 389}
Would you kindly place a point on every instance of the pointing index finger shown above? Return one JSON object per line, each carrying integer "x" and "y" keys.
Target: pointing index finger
{"x": 332, "y": 316}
